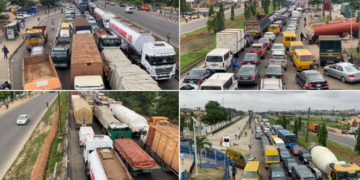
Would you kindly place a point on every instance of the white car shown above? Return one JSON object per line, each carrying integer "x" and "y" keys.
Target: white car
{"x": 279, "y": 58}
{"x": 293, "y": 23}
{"x": 291, "y": 26}
{"x": 271, "y": 84}
{"x": 20, "y": 17}
{"x": 290, "y": 30}
{"x": 270, "y": 35}
{"x": 129, "y": 9}
{"x": 23, "y": 119}
{"x": 278, "y": 47}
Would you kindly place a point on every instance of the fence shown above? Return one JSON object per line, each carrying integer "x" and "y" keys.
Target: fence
{"x": 168, "y": 15}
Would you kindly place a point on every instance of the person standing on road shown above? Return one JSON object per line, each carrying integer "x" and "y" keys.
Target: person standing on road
{"x": 47, "y": 104}
{"x": 301, "y": 36}
{"x": 234, "y": 64}
{"x": 233, "y": 170}
{"x": 168, "y": 38}
{"x": 182, "y": 158}
{"x": 221, "y": 140}
{"x": 5, "y": 50}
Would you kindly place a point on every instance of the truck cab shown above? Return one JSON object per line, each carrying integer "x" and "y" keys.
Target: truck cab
{"x": 60, "y": 53}
{"x": 91, "y": 143}
{"x": 108, "y": 42}
{"x": 119, "y": 130}
{"x": 35, "y": 36}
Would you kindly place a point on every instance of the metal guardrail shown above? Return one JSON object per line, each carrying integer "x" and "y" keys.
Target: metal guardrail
{"x": 185, "y": 70}
{"x": 68, "y": 136}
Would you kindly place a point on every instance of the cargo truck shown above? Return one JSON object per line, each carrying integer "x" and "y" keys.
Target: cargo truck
{"x": 35, "y": 36}
{"x": 157, "y": 57}
{"x": 324, "y": 161}
{"x": 105, "y": 41}
{"x": 91, "y": 7}
{"x": 82, "y": 26}
{"x": 162, "y": 141}
{"x": 89, "y": 97}
{"x": 111, "y": 126}
{"x": 232, "y": 39}
{"x": 82, "y": 112}
{"x": 136, "y": 160}
{"x": 31, "y": 10}
{"x": 257, "y": 24}
{"x": 85, "y": 57}
{"x": 103, "y": 17}
{"x": 39, "y": 73}
{"x": 330, "y": 49}
{"x": 313, "y": 127}
{"x": 60, "y": 53}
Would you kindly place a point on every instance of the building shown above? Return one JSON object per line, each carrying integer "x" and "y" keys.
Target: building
{"x": 352, "y": 121}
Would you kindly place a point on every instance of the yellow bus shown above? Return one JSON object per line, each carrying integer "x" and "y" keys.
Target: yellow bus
{"x": 240, "y": 156}
{"x": 294, "y": 46}
{"x": 303, "y": 59}
{"x": 252, "y": 171}
{"x": 271, "y": 155}
{"x": 288, "y": 37}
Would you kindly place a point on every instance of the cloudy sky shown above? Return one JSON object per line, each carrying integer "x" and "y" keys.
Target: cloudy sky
{"x": 275, "y": 100}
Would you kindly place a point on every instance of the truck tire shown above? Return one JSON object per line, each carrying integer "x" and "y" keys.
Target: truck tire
{"x": 121, "y": 136}
{"x": 165, "y": 167}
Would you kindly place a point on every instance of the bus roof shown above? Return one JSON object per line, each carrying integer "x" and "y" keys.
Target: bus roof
{"x": 270, "y": 148}
{"x": 238, "y": 149}
{"x": 303, "y": 52}
{"x": 287, "y": 33}
{"x": 252, "y": 166}
{"x": 296, "y": 43}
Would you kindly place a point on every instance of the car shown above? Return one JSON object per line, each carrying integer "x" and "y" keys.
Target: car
{"x": 278, "y": 58}
{"x": 185, "y": 86}
{"x": 307, "y": 9}
{"x": 23, "y": 119}
{"x": 122, "y": 4}
{"x": 86, "y": 13}
{"x": 292, "y": 26}
{"x": 288, "y": 164}
{"x": 304, "y": 156}
{"x": 270, "y": 35}
{"x": 112, "y": 3}
{"x": 248, "y": 74}
{"x": 274, "y": 71}
{"x": 198, "y": 75}
{"x": 345, "y": 132}
{"x": 276, "y": 172}
{"x": 311, "y": 80}
{"x": 4, "y": 16}
{"x": 290, "y": 30}
{"x": 78, "y": 16}
{"x": 251, "y": 58}
{"x": 294, "y": 149}
{"x": 107, "y": 2}
{"x": 278, "y": 47}
{"x": 284, "y": 155}
{"x": 344, "y": 71}
{"x": 94, "y": 28}
{"x": 37, "y": 50}
{"x": 260, "y": 49}
{"x": 25, "y": 14}
{"x": 129, "y": 9}
{"x": 293, "y": 23}
{"x": 20, "y": 17}
{"x": 90, "y": 18}
{"x": 295, "y": 19}
{"x": 266, "y": 41}
{"x": 67, "y": 16}
{"x": 271, "y": 84}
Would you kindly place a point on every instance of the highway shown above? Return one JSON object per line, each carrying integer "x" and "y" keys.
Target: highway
{"x": 158, "y": 26}
{"x": 13, "y": 137}
{"x": 344, "y": 139}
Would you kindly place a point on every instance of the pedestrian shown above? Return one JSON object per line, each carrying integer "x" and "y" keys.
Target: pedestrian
{"x": 5, "y": 50}
{"x": 168, "y": 38}
{"x": 6, "y": 86}
{"x": 235, "y": 136}
{"x": 234, "y": 64}
{"x": 245, "y": 134}
{"x": 39, "y": 17}
{"x": 233, "y": 170}
{"x": 250, "y": 146}
{"x": 182, "y": 158}
{"x": 355, "y": 134}
{"x": 186, "y": 19}
{"x": 7, "y": 106}
{"x": 252, "y": 131}
{"x": 301, "y": 36}
{"x": 47, "y": 104}
{"x": 221, "y": 140}
{"x": 204, "y": 15}
{"x": 304, "y": 19}
{"x": 233, "y": 163}
{"x": 239, "y": 136}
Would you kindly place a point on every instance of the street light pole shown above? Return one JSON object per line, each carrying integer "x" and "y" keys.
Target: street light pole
{"x": 351, "y": 34}
{"x": 196, "y": 167}
{"x": 59, "y": 113}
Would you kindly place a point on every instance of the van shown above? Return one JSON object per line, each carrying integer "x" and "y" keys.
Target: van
{"x": 240, "y": 156}
{"x": 275, "y": 28}
{"x": 272, "y": 138}
{"x": 271, "y": 155}
{"x": 226, "y": 141}
{"x": 252, "y": 171}
{"x": 65, "y": 26}
{"x": 301, "y": 172}
{"x": 303, "y": 59}
{"x": 258, "y": 134}
{"x": 287, "y": 38}
{"x": 220, "y": 81}
{"x": 294, "y": 46}
{"x": 83, "y": 132}
{"x": 296, "y": 14}
{"x": 278, "y": 142}
{"x": 218, "y": 59}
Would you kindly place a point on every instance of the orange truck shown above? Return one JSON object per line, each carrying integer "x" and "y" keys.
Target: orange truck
{"x": 157, "y": 119}
{"x": 162, "y": 141}
{"x": 313, "y": 127}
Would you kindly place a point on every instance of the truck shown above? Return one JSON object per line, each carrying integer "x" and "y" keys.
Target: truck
{"x": 154, "y": 120}
{"x": 82, "y": 112}
{"x": 35, "y": 36}
{"x": 85, "y": 57}
{"x": 104, "y": 40}
{"x": 103, "y": 17}
{"x": 257, "y": 24}
{"x": 91, "y": 7}
{"x": 326, "y": 165}
{"x": 345, "y": 10}
{"x": 135, "y": 121}
{"x": 30, "y": 10}
{"x": 123, "y": 75}
{"x": 81, "y": 5}
{"x": 157, "y": 57}
{"x": 162, "y": 141}
{"x": 135, "y": 159}
{"x": 60, "y": 53}
{"x": 313, "y": 127}
{"x": 81, "y": 25}
{"x": 39, "y": 73}
{"x": 89, "y": 97}
{"x": 83, "y": 132}
{"x": 329, "y": 49}
{"x": 111, "y": 126}
{"x": 232, "y": 39}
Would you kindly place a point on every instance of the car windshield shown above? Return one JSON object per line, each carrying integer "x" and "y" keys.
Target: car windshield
{"x": 249, "y": 175}
{"x": 264, "y": 40}
{"x": 285, "y": 154}
{"x": 296, "y": 148}
{"x": 250, "y": 57}
{"x": 277, "y": 47}
{"x": 292, "y": 164}
{"x": 246, "y": 70}
{"x": 306, "y": 58}
{"x": 214, "y": 59}
{"x": 277, "y": 56}
{"x": 306, "y": 155}
{"x": 196, "y": 73}
{"x": 256, "y": 47}
{"x": 352, "y": 68}
{"x": 22, "y": 117}
{"x": 272, "y": 158}
{"x": 269, "y": 34}
{"x": 277, "y": 174}
{"x": 210, "y": 88}
{"x": 273, "y": 70}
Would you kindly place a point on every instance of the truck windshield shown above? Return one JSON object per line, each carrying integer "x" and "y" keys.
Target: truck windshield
{"x": 58, "y": 54}
{"x": 111, "y": 42}
{"x": 64, "y": 40}
{"x": 33, "y": 36}
{"x": 162, "y": 60}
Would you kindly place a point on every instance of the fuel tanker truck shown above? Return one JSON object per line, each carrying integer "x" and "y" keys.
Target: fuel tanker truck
{"x": 327, "y": 166}
{"x": 338, "y": 27}
{"x": 157, "y": 57}
{"x": 103, "y": 17}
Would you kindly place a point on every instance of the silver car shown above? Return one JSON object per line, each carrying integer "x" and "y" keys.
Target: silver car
{"x": 270, "y": 35}
{"x": 278, "y": 47}
{"x": 271, "y": 84}
{"x": 279, "y": 58}
{"x": 37, "y": 50}
{"x": 344, "y": 71}
{"x": 23, "y": 119}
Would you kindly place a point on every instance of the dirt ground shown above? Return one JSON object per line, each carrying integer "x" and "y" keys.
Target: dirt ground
{"x": 37, "y": 72}
{"x": 215, "y": 173}
{"x": 353, "y": 157}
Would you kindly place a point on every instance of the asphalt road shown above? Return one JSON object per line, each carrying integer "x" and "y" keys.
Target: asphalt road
{"x": 155, "y": 24}
{"x": 345, "y": 139}
{"x": 13, "y": 137}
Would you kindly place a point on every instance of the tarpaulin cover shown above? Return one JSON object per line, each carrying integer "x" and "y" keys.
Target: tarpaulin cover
{"x": 82, "y": 110}
{"x": 113, "y": 58}
{"x": 105, "y": 116}
{"x": 129, "y": 117}
{"x": 133, "y": 154}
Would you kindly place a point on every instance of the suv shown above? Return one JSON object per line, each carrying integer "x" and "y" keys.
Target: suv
{"x": 276, "y": 172}
{"x": 301, "y": 172}
{"x": 304, "y": 156}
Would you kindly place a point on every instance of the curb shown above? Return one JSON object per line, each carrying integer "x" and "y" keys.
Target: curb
{"x": 165, "y": 17}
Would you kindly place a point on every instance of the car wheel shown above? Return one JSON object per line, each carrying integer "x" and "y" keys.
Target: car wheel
{"x": 326, "y": 73}
{"x": 285, "y": 68}
{"x": 343, "y": 79}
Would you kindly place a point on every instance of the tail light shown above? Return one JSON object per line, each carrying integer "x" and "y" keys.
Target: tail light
{"x": 200, "y": 81}
{"x": 281, "y": 77}
{"x": 284, "y": 61}
{"x": 327, "y": 83}
{"x": 252, "y": 77}
{"x": 184, "y": 81}
{"x": 271, "y": 60}
{"x": 309, "y": 85}
{"x": 243, "y": 62}
{"x": 239, "y": 77}
{"x": 255, "y": 62}
{"x": 266, "y": 76}
{"x": 351, "y": 75}
{"x": 80, "y": 142}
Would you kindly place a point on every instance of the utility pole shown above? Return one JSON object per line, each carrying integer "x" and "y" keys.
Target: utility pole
{"x": 59, "y": 113}
{"x": 307, "y": 127}
{"x": 196, "y": 166}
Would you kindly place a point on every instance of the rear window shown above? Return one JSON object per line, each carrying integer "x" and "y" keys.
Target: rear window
{"x": 293, "y": 39}
{"x": 306, "y": 58}
{"x": 256, "y": 47}
{"x": 214, "y": 59}
{"x": 210, "y": 88}
{"x": 250, "y": 57}
{"x": 297, "y": 47}
{"x": 277, "y": 57}
{"x": 287, "y": 39}
{"x": 273, "y": 27}
{"x": 246, "y": 70}
{"x": 313, "y": 77}
{"x": 273, "y": 70}
{"x": 249, "y": 175}
{"x": 352, "y": 68}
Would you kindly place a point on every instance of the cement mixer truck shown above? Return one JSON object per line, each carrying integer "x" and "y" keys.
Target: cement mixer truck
{"x": 326, "y": 165}
{"x": 157, "y": 57}
{"x": 103, "y": 17}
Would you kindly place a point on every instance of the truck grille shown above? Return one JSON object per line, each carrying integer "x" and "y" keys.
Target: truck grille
{"x": 163, "y": 70}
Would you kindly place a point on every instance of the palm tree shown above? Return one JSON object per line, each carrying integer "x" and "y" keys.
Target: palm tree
{"x": 201, "y": 143}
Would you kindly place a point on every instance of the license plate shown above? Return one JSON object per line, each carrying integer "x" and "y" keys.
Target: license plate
{"x": 213, "y": 64}
{"x": 191, "y": 82}
{"x": 245, "y": 78}
{"x": 318, "y": 85}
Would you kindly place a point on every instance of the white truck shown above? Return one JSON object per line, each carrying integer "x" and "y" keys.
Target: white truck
{"x": 103, "y": 17}
{"x": 135, "y": 121}
{"x": 232, "y": 39}
{"x": 83, "y": 132}
{"x": 157, "y": 57}
{"x": 91, "y": 143}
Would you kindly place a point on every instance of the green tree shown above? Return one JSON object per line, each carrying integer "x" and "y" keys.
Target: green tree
{"x": 253, "y": 8}
{"x": 182, "y": 124}
{"x": 201, "y": 143}
{"x": 279, "y": 3}
{"x": 296, "y": 128}
{"x": 3, "y": 5}
{"x": 183, "y": 7}
{"x": 322, "y": 136}
{"x": 175, "y": 3}
{"x": 315, "y": 2}
{"x": 222, "y": 8}
{"x": 168, "y": 105}
{"x": 191, "y": 124}
{"x": 283, "y": 122}
{"x": 140, "y": 2}
{"x": 266, "y": 8}
{"x": 355, "y": 6}
{"x": 232, "y": 17}
{"x": 48, "y": 3}
{"x": 247, "y": 12}
{"x": 274, "y": 5}
{"x": 357, "y": 146}
{"x": 211, "y": 23}
{"x": 141, "y": 102}
{"x": 220, "y": 21}
{"x": 214, "y": 113}
{"x": 211, "y": 10}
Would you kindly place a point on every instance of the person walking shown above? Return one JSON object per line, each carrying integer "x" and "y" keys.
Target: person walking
{"x": 47, "y": 104}
{"x": 186, "y": 19}
{"x": 301, "y": 36}
{"x": 234, "y": 64}
{"x": 235, "y": 136}
{"x": 221, "y": 140}
{"x": 168, "y": 38}
{"x": 233, "y": 163}
{"x": 182, "y": 158}
{"x": 7, "y": 106}
{"x": 5, "y": 50}
{"x": 234, "y": 171}
{"x": 245, "y": 134}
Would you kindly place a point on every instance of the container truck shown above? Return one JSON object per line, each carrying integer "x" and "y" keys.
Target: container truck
{"x": 162, "y": 141}
{"x": 39, "y": 73}
{"x": 157, "y": 57}
{"x": 329, "y": 49}
{"x": 232, "y": 39}
{"x": 111, "y": 126}
{"x": 103, "y": 17}
{"x": 35, "y": 36}
{"x": 257, "y": 24}
{"x": 85, "y": 57}
{"x": 91, "y": 8}
{"x": 135, "y": 121}
{"x": 105, "y": 41}
{"x": 60, "y": 53}
{"x": 81, "y": 25}
{"x": 81, "y": 5}
{"x": 313, "y": 127}
{"x": 325, "y": 161}
{"x": 82, "y": 112}
{"x": 136, "y": 160}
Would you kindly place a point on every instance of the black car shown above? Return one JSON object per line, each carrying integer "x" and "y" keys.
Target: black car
{"x": 4, "y": 16}
{"x": 284, "y": 155}
{"x": 304, "y": 156}
{"x": 198, "y": 75}
{"x": 282, "y": 149}
{"x": 288, "y": 164}
{"x": 311, "y": 80}
{"x": 248, "y": 74}
{"x": 274, "y": 71}
{"x": 276, "y": 172}
{"x": 251, "y": 58}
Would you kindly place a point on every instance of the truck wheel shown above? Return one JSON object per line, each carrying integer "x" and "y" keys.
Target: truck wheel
{"x": 165, "y": 166}
{"x": 121, "y": 136}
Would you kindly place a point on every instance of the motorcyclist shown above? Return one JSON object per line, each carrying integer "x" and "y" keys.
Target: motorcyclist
{"x": 52, "y": 22}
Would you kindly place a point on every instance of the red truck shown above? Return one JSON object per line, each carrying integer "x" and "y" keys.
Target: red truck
{"x": 260, "y": 49}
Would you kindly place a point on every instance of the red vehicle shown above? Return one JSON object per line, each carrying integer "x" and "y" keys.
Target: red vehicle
{"x": 345, "y": 132}
{"x": 295, "y": 150}
{"x": 145, "y": 8}
{"x": 260, "y": 49}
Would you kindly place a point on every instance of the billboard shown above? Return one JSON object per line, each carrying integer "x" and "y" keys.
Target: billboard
{"x": 326, "y": 5}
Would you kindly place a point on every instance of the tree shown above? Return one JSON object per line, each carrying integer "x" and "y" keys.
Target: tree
{"x": 253, "y": 8}
{"x": 283, "y": 122}
{"x": 47, "y": 2}
{"x": 168, "y": 105}
{"x": 221, "y": 8}
{"x": 274, "y": 5}
{"x": 357, "y": 146}
{"x": 232, "y": 17}
{"x": 279, "y": 3}
{"x": 211, "y": 23}
{"x": 183, "y": 7}
{"x": 191, "y": 124}
{"x": 214, "y": 113}
{"x": 247, "y": 12}
{"x": 315, "y": 2}
{"x": 211, "y": 10}
{"x": 266, "y": 7}
{"x": 3, "y": 5}
{"x": 220, "y": 21}
{"x": 296, "y": 128}
{"x": 140, "y": 2}
{"x": 141, "y": 102}
{"x": 322, "y": 137}
{"x": 201, "y": 143}
{"x": 182, "y": 124}
{"x": 175, "y": 3}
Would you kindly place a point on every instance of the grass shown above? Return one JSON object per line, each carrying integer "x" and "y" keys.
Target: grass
{"x": 209, "y": 173}
{"x": 353, "y": 52}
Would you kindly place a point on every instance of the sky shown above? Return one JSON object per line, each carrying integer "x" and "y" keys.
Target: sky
{"x": 273, "y": 100}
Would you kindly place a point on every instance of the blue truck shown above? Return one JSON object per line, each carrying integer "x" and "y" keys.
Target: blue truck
{"x": 31, "y": 10}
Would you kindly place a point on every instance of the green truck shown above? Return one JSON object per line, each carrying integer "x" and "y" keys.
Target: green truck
{"x": 61, "y": 51}
{"x": 345, "y": 10}
{"x": 330, "y": 49}
{"x": 105, "y": 41}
